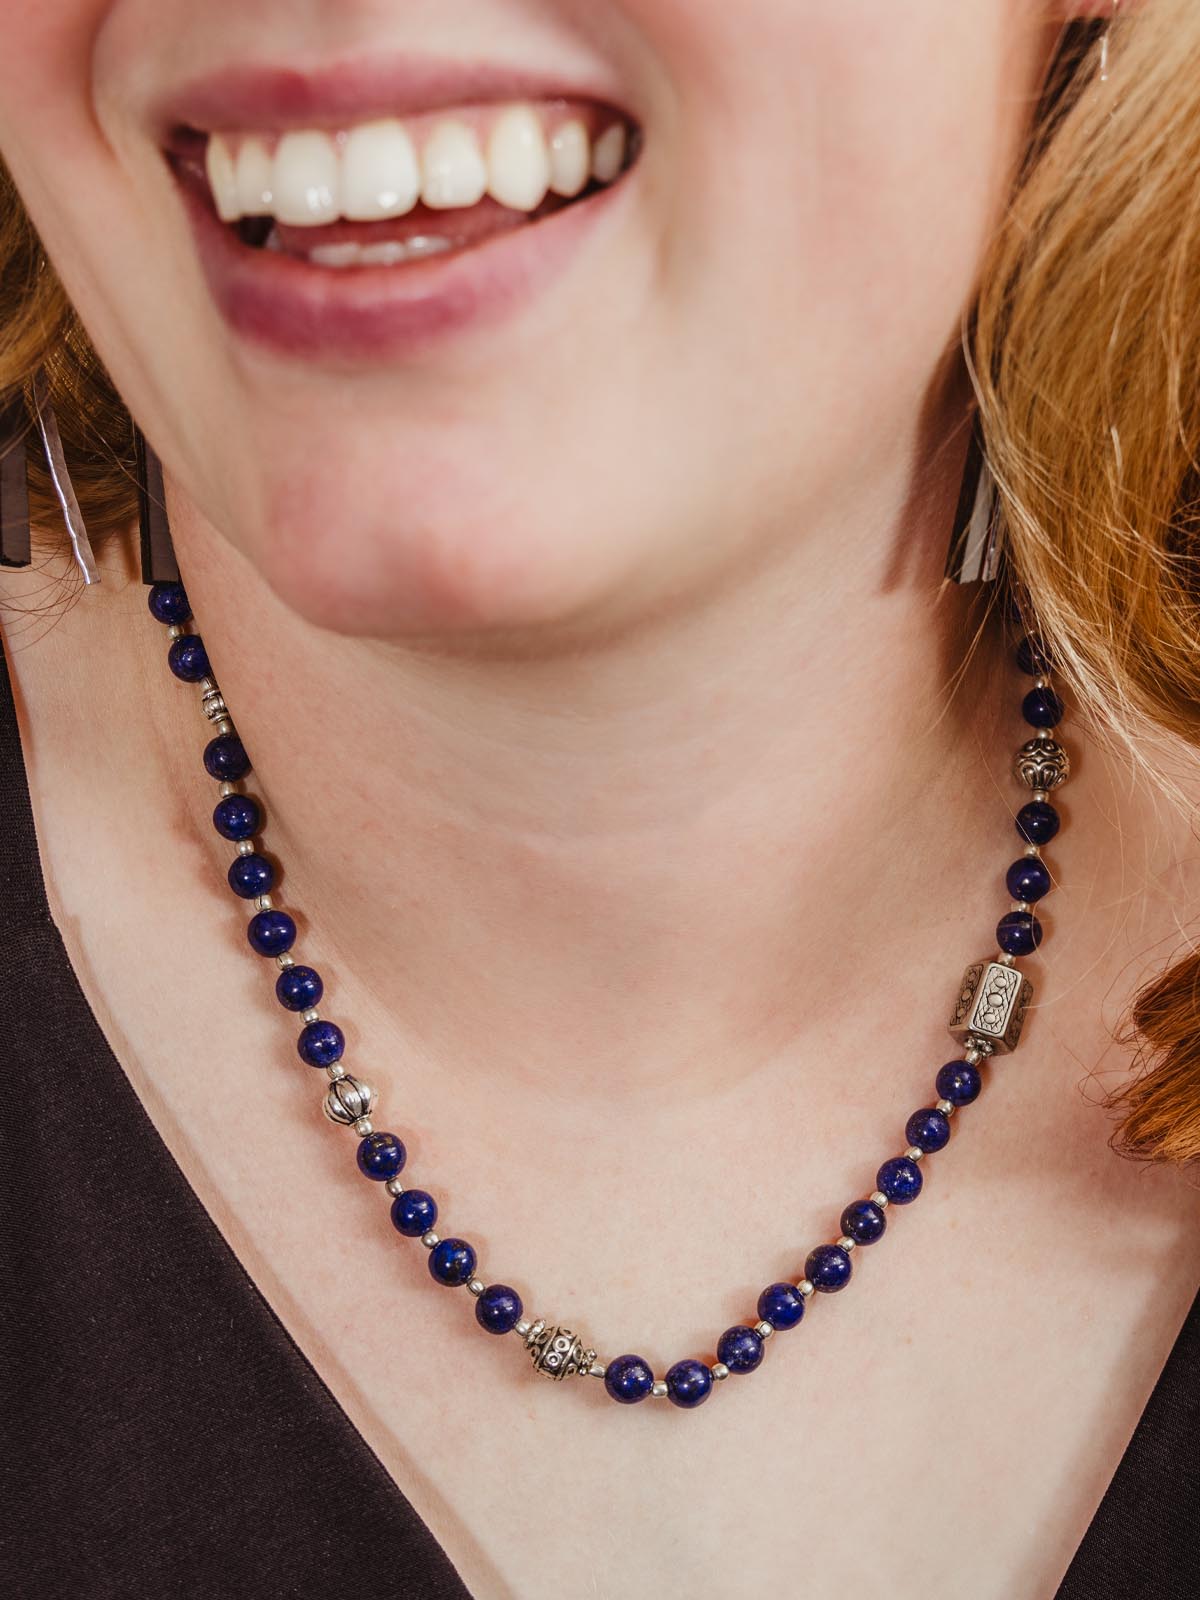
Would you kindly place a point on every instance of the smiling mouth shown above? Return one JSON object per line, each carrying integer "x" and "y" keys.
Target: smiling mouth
{"x": 390, "y": 191}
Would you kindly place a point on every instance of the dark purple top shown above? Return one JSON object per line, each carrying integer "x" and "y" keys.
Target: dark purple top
{"x": 162, "y": 1435}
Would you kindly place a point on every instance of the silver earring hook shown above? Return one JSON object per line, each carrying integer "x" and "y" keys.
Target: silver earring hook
{"x": 56, "y": 461}
{"x": 1104, "y": 43}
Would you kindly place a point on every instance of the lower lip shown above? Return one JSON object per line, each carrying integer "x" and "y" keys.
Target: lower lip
{"x": 372, "y": 313}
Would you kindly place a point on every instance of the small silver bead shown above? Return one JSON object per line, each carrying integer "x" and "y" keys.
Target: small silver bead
{"x": 806, "y": 1288}
{"x": 1040, "y": 794}
{"x": 287, "y": 959}
{"x": 719, "y": 1370}
{"x": 522, "y": 1327}
{"x": 764, "y": 1330}
{"x": 1041, "y": 681}
{"x": 335, "y": 1070}
{"x": 1004, "y": 959}
{"x": 364, "y": 1126}
{"x": 946, "y": 1107}
{"x": 394, "y": 1187}
{"x": 311, "y": 1015}
{"x": 206, "y": 684}
{"x": 596, "y": 1370}
{"x": 263, "y": 902}
{"x": 1020, "y": 905}
{"x": 1034, "y": 852}
{"x": 914, "y": 1152}
{"x": 658, "y": 1389}
{"x": 476, "y": 1286}
{"x": 224, "y": 725}
{"x": 846, "y": 1242}
{"x": 429, "y": 1239}
{"x": 176, "y": 631}
{"x": 879, "y": 1198}
{"x": 245, "y": 847}
{"x": 227, "y": 789}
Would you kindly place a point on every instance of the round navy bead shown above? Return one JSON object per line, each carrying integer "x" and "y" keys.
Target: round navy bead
{"x": 828, "y": 1267}
{"x": 900, "y": 1179}
{"x": 781, "y": 1304}
{"x": 959, "y": 1082}
{"x": 381, "y": 1156}
{"x": 1042, "y": 708}
{"x": 271, "y": 932}
{"x": 689, "y": 1383}
{"x": 225, "y": 758}
{"x": 1033, "y": 657}
{"x": 1038, "y": 822}
{"x": 168, "y": 602}
{"x": 188, "y": 659}
{"x": 498, "y": 1308}
{"x": 251, "y": 875}
{"x": 413, "y": 1213}
{"x": 863, "y": 1221}
{"x": 1028, "y": 879}
{"x": 928, "y": 1129}
{"x": 740, "y": 1348}
{"x": 628, "y": 1379}
{"x": 237, "y": 816}
{"x": 299, "y": 988}
{"x": 452, "y": 1262}
{"x": 1018, "y": 933}
{"x": 321, "y": 1043}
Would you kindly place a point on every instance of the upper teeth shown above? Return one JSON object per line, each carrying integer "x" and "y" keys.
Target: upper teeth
{"x": 381, "y": 168}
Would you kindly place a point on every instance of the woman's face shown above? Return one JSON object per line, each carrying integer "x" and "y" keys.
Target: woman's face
{"x": 572, "y": 419}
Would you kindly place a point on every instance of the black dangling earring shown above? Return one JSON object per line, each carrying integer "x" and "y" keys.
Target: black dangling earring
{"x": 977, "y": 537}
{"x": 14, "y": 486}
{"x": 157, "y": 550}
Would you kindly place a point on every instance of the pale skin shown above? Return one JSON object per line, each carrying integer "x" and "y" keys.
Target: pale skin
{"x": 597, "y": 688}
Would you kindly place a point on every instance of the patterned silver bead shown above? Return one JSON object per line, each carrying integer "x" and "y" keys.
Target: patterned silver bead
{"x": 991, "y": 1006}
{"x": 1042, "y": 763}
{"x": 556, "y": 1352}
{"x": 348, "y": 1100}
{"x": 212, "y": 703}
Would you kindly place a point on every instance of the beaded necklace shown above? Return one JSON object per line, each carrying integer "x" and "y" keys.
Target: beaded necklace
{"x": 987, "y": 1020}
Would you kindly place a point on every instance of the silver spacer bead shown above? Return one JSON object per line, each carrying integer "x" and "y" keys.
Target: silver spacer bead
{"x": 335, "y": 1070}
{"x": 879, "y": 1198}
{"x": 475, "y": 1286}
{"x": 1021, "y": 905}
{"x": 522, "y": 1327}
{"x": 946, "y": 1107}
{"x": 364, "y": 1126}
{"x": 764, "y": 1330}
{"x": 263, "y": 902}
{"x": 1034, "y": 852}
{"x": 429, "y": 1239}
{"x": 914, "y": 1152}
{"x": 596, "y": 1370}
{"x": 1040, "y": 794}
{"x": 846, "y": 1242}
{"x": 227, "y": 789}
{"x": 658, "y": 1389}
{"x": 719, "y": 1371}
{"x": 394, "y": 1187}
{"x": 224, "y": 725}
{"x": 806, "y": 1288}
{"x": 287, "y": 959}
{"x": 245, "y": 847}
{"x": 176, "y": 631}
{"x": 1042, "y": 681}
{"x": 1005, "y": 958}
{"x": 212, "y": 703}
{"x": 311, "y": 1015}
{"x": 206, "y": 684}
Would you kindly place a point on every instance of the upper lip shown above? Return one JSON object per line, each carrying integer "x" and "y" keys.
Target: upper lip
{"x": 269, "y": 96}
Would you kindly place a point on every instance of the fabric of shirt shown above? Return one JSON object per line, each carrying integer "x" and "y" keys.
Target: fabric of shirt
{"x": 162, "y": 1434}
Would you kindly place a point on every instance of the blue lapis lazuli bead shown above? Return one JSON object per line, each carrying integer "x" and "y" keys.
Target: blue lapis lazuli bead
{"x": 321, "y": 1043}
{"x": 863, "y": 1221}
{"x": 188, "y": 659}
{"x": 1037, "y": 822}
{"x": 928, "y": 1129}
{"x": 1033, "y": 657}
{"x": 413, "y": 1213}
{"x": 689, "y": 1383}
{"x": 1042, "y": 708}
{"x": 740, "y": 1348}
{"x": 959, "y": 1082}
{"x": 271, "y": 932}
{"x": 828, "y": 1268}
{"x": 237, "y": 816}
{"x": 1018, "y": 933}
{"x": 381, "y": 1156}
{"x": 250, "y": 876}
{"x": 781, "y": 1304}
{"x": 299, "y": 988}
{"x": 498, "y": 1308}
{"x": 225, "y": 758}
{"x": 900, "y": 1179}
{"x": 452, "y": 1262}
{"x": 1028, "y": 879}
{"x": 628, "y": 1379}
{"x": 168, "y": 602}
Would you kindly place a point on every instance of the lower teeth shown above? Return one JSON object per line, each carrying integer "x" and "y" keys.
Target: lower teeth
{"x": 387, "y": 253}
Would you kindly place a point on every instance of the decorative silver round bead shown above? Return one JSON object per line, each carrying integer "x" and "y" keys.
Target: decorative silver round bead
{"x": 557, "y": 1352}
{"x": 212, "y": 703}
{"x": 348, "y": 1101}
{"x": 1042, "y": 763}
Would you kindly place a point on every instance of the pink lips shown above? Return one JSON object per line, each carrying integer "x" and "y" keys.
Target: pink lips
{"x": 370, "y": 313}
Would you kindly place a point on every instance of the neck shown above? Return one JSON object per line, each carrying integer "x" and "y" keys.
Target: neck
{"x": 649, "y": 858}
